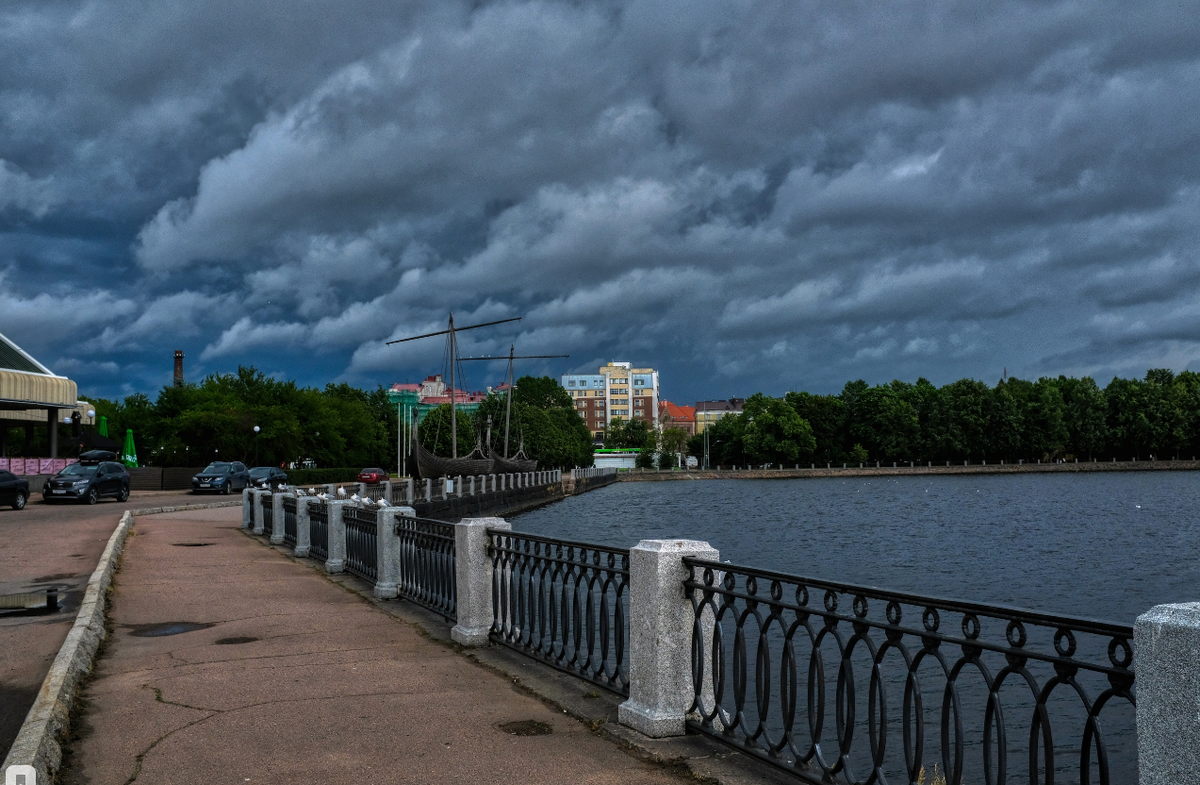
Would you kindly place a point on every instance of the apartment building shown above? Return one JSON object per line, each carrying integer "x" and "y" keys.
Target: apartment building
{"x": 708, "y": 412}
{"x": 617, "y": 389}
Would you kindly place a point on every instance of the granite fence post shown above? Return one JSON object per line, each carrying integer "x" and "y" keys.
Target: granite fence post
{"x": 259, "y": 523}
{"x": 277, "y": 518}
{"x": 387, "y": 491}
{"x": 428, "y": 489}
{"x": 408, "y": 491}
{"x": 247, "y": 509}
{"x": 336, "y": 561}
{"x": 660, "y": 636}
{"x": 387, "y": 555}
{"x": 1167, "y": 639}
{"x": 303, "y": 532}
{"x": 473, "y": 574}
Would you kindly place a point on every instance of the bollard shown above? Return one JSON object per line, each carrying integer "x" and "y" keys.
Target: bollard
{"x": 247, "y": 509}
{"x": 428, "y": 489}
{"x": 1166, "y": 639}
{"x": 277, "y": 518}
{"x": 387, "y": 554}
{"x": 473, "y": 576}
{"x": 408, "y": 491}
{"x": 337, "y": 538}
{"x": 303, "y": 532}
{"x": 660, "y": 637}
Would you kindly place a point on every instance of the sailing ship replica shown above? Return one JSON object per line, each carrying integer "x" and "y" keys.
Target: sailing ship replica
{"x": 429, "y": 464}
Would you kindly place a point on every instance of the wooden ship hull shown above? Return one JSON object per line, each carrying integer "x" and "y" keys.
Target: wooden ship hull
{"x": 431, "y": 466}
{"x": 518, "y": 464}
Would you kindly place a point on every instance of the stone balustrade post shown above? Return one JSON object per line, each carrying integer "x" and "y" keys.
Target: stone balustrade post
{"x": 408, "y": 491}
{"x": 277, "y": 518}
{"x": 660, "y": 636}
{"x": 1166, "y": 639}
{"x": 473, "y": 575}
{"x": 247, "y": 509}
{"x": 259, "y": 523}
{"x": 387, "y": 491}
{"x": 428, "y": 489}
{"x": 387, "y": 555}
{"x": 472, "y": 485}
{"x": 303, "y": 532}
{"x": 459, "y": 486}
{"x": 336, "y": 561}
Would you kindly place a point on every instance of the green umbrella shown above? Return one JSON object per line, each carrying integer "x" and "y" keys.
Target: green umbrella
{"x": 102, "y": 428}
{"x": 129, "y": 455}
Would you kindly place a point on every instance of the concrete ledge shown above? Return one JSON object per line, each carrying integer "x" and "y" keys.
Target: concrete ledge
{"x": 185, "y": 508}
{"x": 38, "y": 742}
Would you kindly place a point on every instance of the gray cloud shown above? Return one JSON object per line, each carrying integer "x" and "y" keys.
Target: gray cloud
{"x": 758, "y": 195}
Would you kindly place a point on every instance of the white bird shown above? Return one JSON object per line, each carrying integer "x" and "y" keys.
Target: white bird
{"x": 341, "y": 491}
{"x": 355, "y": 498}
{"x": 383, "y": 503}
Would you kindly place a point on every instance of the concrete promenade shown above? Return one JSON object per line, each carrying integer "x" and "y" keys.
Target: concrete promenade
{"x": 285, "y": 676}
{"x": 903, "y": 470}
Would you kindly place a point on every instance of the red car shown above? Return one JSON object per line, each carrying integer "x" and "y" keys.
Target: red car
{"x": 373, "y": 476}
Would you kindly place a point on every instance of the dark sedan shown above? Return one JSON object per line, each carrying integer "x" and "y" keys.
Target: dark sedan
{"x": 222, "y": 477}
{"x": 14, "y": 490}
{"x": 88, "y": 483}
{"x": 267, "y": 477}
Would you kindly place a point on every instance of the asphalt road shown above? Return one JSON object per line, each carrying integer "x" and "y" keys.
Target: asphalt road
{"x": 52, "y": 545}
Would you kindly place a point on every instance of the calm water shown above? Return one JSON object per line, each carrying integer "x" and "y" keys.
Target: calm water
{"x": 1105, "y": 546}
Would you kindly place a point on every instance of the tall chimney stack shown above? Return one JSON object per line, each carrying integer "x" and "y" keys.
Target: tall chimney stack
{"x": 179, "y": 367}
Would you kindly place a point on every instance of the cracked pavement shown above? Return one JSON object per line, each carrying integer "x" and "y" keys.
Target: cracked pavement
{"x": 297, "y": 680}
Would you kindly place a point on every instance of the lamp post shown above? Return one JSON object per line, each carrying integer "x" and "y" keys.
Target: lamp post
{"x": 256, "y": 430}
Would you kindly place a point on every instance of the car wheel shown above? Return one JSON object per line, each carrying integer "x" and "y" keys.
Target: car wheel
{"x": 124, "y": 494}
{"x": 93, "y": 495}
{"x": 225, "y": 488}
{"x": 19, "y": 502}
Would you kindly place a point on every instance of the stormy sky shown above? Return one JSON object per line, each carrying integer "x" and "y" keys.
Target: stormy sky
{"x": 750, "y": 196}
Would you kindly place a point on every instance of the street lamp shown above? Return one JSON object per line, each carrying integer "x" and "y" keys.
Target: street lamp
{"x": 256, "y": 430}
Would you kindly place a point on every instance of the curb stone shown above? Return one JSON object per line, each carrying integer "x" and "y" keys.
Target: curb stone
{"x": 39, "y": 742}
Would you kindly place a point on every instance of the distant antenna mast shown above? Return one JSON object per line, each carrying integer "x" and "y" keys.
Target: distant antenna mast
{"x": 512, "y": 383}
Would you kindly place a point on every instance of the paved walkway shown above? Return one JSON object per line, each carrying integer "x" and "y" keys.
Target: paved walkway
{"x": 44, "y": 546}
{"x": 298, "y": 680}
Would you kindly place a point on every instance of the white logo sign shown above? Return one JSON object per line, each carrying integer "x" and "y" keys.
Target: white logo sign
{"x": 20, "y": 775}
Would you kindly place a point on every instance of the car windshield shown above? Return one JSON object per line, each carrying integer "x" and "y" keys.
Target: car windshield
{"x": 260, "y": 471}
{"x": 80, "y": 470}
{"x": 218, "y": 468}
{"x": 371, "y": 471}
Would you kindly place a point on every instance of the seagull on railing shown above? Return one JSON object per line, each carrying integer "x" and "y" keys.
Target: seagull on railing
{"x": 341, "y": 491}
{"x": 355, "y": 498}
{"x": 382, "y": 503}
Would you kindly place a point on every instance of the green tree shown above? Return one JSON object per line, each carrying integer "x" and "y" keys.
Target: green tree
{"x": 774, "y": 432}
{"x": 826, "y": 415}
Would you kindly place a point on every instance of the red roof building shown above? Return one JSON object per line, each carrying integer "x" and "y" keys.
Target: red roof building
{"x": 674, "y": 416}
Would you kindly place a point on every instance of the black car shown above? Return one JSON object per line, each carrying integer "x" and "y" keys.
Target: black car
{"x": 14, "y": 490}
{"x": 81, "y": 482}
{"x": 222, "y": 477}
{"x": 267, "y": 477}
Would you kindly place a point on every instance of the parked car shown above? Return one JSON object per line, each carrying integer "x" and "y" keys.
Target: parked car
{"x": 82, "y": 482}
{"x": 222, "y": 477}
{"x": 14, "y": 490}
{"x": 267, "y": 477}
{"x": 373, "y": 476}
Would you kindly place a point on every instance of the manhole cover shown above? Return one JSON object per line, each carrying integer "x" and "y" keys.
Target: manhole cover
{"x": 191, "y": 544}
{"x": 165, "y": 628}
{"x": 235, "y": 641}
{"x": 526, "y": 728}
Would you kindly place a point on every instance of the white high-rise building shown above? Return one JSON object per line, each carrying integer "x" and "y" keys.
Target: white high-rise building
{"x": 616, "y": 390}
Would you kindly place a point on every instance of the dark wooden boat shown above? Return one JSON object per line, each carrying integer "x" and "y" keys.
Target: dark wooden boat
{"x": 431, "y": 466}
{"x": 517, "y": 464}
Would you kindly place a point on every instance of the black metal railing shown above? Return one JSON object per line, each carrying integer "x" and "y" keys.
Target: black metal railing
{"x": 289, "y": 520}
{"x": 374, "y": 492}
{"x": 427, "y": 564}
{"x": 848, "y": 684}
{"x": 400, "y": 493}
{"x": 318, "y": 529}
{"x": 362, "y": 540}
{"x": 564, "y": 603}
{"x": 268, "y": 513}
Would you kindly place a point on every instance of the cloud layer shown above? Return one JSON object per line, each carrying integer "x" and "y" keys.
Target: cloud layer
{"x": 748, "y": 195}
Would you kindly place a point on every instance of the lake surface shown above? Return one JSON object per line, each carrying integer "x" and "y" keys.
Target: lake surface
{"x": 1107, "y": 546}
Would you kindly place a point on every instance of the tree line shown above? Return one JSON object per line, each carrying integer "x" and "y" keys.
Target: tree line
{"x": 335, "y": 426}
{"x": 1048, "y": 419}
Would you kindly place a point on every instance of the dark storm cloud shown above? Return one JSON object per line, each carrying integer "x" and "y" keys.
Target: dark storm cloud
{"x": 750, "y": 195}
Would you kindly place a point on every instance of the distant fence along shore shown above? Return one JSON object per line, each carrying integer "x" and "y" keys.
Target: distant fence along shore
{"x": 905, "y": 468}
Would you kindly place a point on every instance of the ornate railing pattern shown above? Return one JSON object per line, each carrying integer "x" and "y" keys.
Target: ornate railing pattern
{"x": 362, "y": 538}
{"x": 564, "y": 603}
{"x": 318, "y": 529}
{"x": 427, "y": 564}
{"x": 267, "y": 502}
{"x": 850, "y": 684}
{"x": 289, "y": 520}
{"x": 374, "y": 492}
